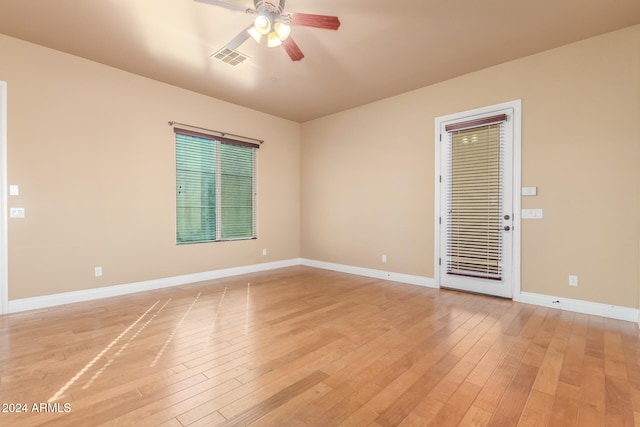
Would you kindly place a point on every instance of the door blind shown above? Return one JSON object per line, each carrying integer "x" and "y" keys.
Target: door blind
{"x": 474, "y": 235}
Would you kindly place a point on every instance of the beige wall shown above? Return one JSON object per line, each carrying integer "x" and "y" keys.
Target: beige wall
{"x": 93, "y": 155}
{"x": 368, "y": 173}
{"x": 92, "y": 152}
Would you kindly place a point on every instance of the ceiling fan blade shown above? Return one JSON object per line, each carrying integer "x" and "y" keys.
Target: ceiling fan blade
{"x": 317, "y": 21}
{"x": 292, "y": 49}
{"x": 228, "y": 5}
{"x": 239, "y": 39}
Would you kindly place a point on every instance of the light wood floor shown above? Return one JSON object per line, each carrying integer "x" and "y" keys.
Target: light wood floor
{"x": 308, "y": 347}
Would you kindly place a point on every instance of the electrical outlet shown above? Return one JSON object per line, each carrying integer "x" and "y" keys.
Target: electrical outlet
{"x": 384, "y": 258}
{"x": 573, "y": 280}
{"x": 98, "y": 271}
{"x": 264, "y": 252}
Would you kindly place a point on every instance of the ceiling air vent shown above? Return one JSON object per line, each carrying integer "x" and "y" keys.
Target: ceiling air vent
{"x": 230, "y": 56}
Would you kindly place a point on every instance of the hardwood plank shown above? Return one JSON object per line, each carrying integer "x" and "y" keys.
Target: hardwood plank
{"x": 590, "y": 415}
{"x": 498, "y": 381}
{"x": 286, "y": 413}
{"x": 614, "y": 362}
{"x": 618, "y": 407}
{"x": 454, "y": 410}
{"x": 511, "y": 405}
{"x": 593, "y": 382}
{"x": 475, "y": 417}
{"x": 211, "y": 419}
{"x": 340, "y": 402}
{"x": 572, "y": 361}
{"x": 569, "y": 390}
{"x": 549, "y": 373}
{"x": 564, "y": 412}
{"x": 171, "y": 423}
{"x": 595, "y": 338}
{"x": 537, "y": 410}
{"x": 261, "y": 409}
{"x": 172, "y": 406}
{"x": 393, "y": 414}
{"x": 364, "y": 416}
{"x": 412, "y": 420}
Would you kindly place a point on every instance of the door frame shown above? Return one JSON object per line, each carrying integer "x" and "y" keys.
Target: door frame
{"x": 4, "y": 247}
{"x": 516, "y": 106}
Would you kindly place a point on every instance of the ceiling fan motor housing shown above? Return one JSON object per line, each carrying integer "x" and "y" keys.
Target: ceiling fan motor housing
{"x": 268, "y": 7}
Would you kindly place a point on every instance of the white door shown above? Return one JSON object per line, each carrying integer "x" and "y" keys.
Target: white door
{"x": 3, "y": 200}
{"x": 477, "y": 221}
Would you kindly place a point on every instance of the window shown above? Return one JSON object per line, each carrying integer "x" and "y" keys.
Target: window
{"x": 215, "y": 188}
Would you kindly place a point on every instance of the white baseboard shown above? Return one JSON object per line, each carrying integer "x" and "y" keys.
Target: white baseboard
{"x": 579, "y": 306}
{"x": 368, "y": 272}
{"x": 147, "y": 285}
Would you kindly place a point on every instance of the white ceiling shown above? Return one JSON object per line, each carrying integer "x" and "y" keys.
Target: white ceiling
{"x": 382, "y": 48}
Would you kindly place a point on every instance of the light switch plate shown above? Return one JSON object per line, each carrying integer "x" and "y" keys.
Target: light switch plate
{"x": 14, "y": 190}
{"x": 16, "y": 213}
{"x": 531, "y": 214}
{"x": 529, "y": 191}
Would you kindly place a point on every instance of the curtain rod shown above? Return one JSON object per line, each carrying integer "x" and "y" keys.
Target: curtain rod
{"x": 226, "y": 134}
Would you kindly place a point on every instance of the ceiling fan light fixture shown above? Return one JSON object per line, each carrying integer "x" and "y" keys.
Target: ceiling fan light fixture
{"x": 282, "y": 30}
{"x": 254, "y": 34}
{"x": 273, "y": 40}
{"x": 262, "y": 24}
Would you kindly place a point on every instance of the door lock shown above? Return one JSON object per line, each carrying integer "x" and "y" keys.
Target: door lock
{"x": 507, "y": 228}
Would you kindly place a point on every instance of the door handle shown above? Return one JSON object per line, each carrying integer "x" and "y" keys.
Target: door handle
{"x": 507, "y": 228}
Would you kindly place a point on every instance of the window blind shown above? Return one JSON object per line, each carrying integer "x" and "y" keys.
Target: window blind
{"x": 474, "y": 235}
{"x": 215, "y": 188}
{"x": 237, "y": 191}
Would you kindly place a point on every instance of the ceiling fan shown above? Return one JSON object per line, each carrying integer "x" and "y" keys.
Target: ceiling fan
{"x": 273, "y": 23}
